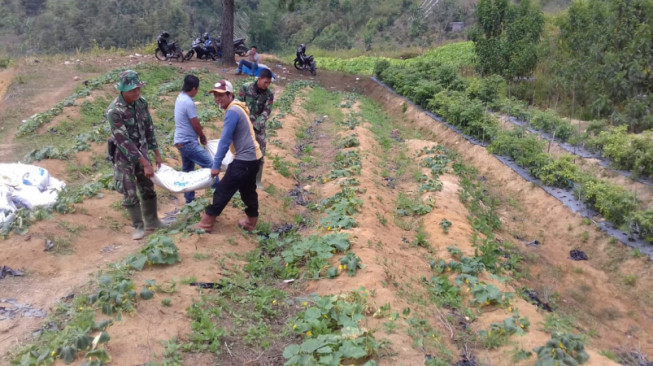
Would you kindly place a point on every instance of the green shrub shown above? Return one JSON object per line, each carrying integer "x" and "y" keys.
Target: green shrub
{"x": 642, "y": 224}
{"x": 561, "y": 172}
{"x": 525, "y": 149}
{"x": 488, "y": 90}
{"x": 516, "y": 108}
{"x": 549, "y": 122}
{"x": 613, "y": 202}
{"x": 380, "y": 66}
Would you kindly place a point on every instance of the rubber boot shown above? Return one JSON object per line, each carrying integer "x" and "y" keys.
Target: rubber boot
{"x": 206, "y": 222}
{"x": 137, "y": 220}
{"x": 150, "y": 215}
{"x": 248, "y": 224}
{"x": 259, "y": 176}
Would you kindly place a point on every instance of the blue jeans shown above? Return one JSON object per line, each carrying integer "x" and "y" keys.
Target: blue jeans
{"x": 192, "y": 153}
{"x": 252, "y": 66}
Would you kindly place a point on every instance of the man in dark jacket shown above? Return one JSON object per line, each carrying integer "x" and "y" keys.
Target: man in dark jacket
{"x": 162, "y": 42}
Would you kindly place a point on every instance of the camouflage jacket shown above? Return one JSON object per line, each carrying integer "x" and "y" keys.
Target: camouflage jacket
{"x": 259, "y": 103}
{"x": 132, "y": 129}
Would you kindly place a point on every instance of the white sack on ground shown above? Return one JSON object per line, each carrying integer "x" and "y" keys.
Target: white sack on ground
{"x": 180, "y": 182}
{"x": 26, "y": 186}
{"x": 29, "y": 175}
{"x": 7, "y": 207}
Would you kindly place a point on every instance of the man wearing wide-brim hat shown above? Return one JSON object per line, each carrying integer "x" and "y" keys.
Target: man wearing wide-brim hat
{"x": 237, "y": 136}
{"x": 133, "y": 133}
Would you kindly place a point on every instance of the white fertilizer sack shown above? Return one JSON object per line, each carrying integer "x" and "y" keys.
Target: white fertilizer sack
{"x": 180, "y": 182}
{"x": 212, "y": 148}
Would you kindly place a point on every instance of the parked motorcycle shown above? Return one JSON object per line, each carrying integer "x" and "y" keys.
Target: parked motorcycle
{"x": 214, "y": 50}
{"x": 203, "y": 50}
{"x": 308, "y": 64}
{"x": 240, "y": 48}
{"x": 174, "y": 52}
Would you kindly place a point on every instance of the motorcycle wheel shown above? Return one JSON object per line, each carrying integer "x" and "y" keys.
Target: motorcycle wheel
{"x": 160, "y": 55}
{"x": 179, "y": 55}
{"x": 298, "y": 66}
{"x": 189, "y": 55}
{"x": 313, "y": 69}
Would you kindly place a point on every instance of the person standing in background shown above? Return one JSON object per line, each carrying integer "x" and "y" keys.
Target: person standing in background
{"x": 259, "y": 98}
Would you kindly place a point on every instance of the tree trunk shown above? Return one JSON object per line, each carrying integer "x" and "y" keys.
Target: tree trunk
{"x": 227, "y": 37}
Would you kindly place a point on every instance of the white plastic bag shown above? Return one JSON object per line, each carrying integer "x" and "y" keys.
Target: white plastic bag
{"x": 29, "y": 186}
{"x": 180, "y": 182}
{"x": 31, "y": 197}
{"x": 29, "y": 175}
{"x": 7, "y": 207}
{"x": 212, "y": 149}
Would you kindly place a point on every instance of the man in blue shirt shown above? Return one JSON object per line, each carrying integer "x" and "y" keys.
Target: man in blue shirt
{"x": 188, "y": 130}
{"x": 237, "y": 136}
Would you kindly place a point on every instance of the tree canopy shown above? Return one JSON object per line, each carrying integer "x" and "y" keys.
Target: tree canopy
{"x": 507, "y": 37}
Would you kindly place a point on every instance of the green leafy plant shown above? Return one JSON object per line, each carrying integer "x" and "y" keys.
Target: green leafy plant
{"x": 407, "y": 206}
{"x": 431, "y": 185}
{"x": 331, "y": 332}
{"x": 115, "y": 293}
{"x": 444, "y": 293}
{"x": 281, "y": 165}
{"x": 488, "y": 295}
{"x": 84, "y": 337}
{"x": 159, "y": 249}
{"x": 445, "y": 225}
{"x": 315, "y": 250}
{"x": 499, "y": 333}
{"x": 348, "y": 141}
{"x": 562, "y": 349}
{"x": 351, "y": 263}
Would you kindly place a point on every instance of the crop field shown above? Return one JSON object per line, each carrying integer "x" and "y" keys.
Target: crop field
{"x": 385, "y": 237}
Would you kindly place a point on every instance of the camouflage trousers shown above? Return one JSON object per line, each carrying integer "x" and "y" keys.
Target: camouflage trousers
{"x": 128, "y": 178}
{"x": 261, "y": 139}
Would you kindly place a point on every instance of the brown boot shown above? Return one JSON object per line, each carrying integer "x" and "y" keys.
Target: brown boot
{"x": 206, "y": 222}
{"x": 248, "y": 224}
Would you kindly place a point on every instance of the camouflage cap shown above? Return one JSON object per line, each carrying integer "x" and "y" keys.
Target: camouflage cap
{"x": 128, "y": 81}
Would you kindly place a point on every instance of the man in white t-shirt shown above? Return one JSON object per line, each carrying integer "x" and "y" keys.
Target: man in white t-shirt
{"x": 251, "y": 62}
{"x": 188, "y": 130}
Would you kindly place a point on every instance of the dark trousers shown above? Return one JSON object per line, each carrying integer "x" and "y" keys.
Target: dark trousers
{"x": 241, "y": 177}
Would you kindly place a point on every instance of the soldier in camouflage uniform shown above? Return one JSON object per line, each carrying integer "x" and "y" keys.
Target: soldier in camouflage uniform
{"x": 259, "y": 98}
{"x": 133, "y": 132}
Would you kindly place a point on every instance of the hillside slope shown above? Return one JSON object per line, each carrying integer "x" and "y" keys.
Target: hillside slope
{"x": 346, "y": 159}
